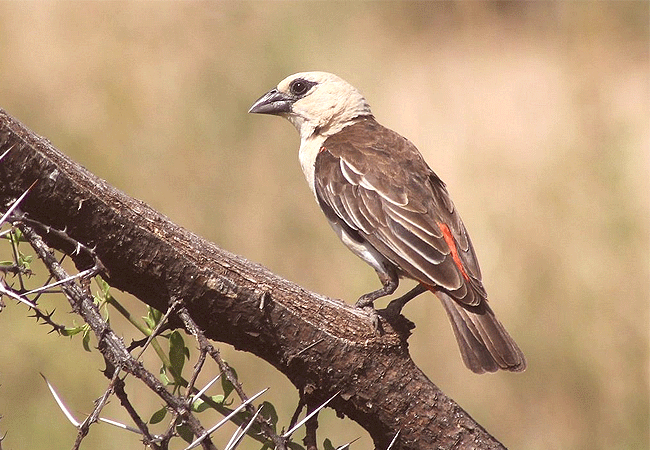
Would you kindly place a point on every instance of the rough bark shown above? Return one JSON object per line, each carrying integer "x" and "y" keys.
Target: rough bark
{"x": 322, "y": 345}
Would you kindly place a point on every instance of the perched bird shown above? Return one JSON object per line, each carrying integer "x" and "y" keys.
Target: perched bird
{"x": 388, "y": 207}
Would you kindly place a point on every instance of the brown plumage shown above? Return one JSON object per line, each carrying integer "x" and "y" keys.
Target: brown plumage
{"x": 404, "y": 211}
{"x": 392, "y": 210}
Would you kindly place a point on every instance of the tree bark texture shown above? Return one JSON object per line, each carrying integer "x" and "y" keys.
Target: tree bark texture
{"x": 322, "y": 345}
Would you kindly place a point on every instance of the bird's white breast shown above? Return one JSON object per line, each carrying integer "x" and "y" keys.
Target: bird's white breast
{"x": 309, "y": 149}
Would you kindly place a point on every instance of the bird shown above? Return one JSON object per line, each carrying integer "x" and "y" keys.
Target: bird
{"x": 391, "y": 209}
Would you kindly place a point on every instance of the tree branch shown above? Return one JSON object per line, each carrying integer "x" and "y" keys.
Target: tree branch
{"x": 237, "y": 301}
{"x": 83, "y": 304}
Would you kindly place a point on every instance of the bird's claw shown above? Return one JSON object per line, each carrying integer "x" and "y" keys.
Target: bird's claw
{"x": 374, "y": 316}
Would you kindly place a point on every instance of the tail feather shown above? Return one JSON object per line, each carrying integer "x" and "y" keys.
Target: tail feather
{"x": 484, "y": 343}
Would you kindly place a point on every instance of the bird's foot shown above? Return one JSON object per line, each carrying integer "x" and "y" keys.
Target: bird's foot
{"x": 390, "y": 283}
{"x": 394, "y": 308}
{"x": 366, "y": 301}
{"x": 366, "y": 304}
{"x": 374, "y": 316}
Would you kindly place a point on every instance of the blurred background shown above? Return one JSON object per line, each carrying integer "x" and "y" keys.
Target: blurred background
{"x": 535, "y": 114}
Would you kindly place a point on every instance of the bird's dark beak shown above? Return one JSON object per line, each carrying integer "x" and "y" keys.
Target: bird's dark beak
{"x": 273, "y": 102}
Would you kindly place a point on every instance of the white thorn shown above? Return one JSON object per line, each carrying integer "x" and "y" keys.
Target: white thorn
{"x": 234, "y": 441}
{"x": 7, "y": 151}
{"x": 393, "y": 441}
{"x": 224, "y": 420}
{"x": 16, "y": 203}
{"x": 205, "y": 388}
{"x": 7, "y": 292}
{"x": 59, "y": 402}
{"x": 309, "y": 416}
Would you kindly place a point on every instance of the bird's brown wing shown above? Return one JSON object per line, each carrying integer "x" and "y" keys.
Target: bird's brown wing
{"x": 377, "y": 183}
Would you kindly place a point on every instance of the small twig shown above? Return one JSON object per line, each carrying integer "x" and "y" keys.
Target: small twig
{"x": 266, "y": 429}
{"x": 94, "y": 416}
{"x": 50, "y": 277}
{"x": 120, "y": 393}
{"x": 301, "y": 404}
{"x": 8, "y": 213}
{"x": 149, "y": 440}
{"x": 10, "y": 293}
{"x": 159, "y": 327}
{"x": 65, "y": 237}
{"x": 310, "y": 433}
{"x": 195, "y": 374}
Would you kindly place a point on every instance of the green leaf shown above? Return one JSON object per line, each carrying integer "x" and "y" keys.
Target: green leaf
{"x": 199, "y": 405}
{"x": 218, "y": 399}
{"x": 176, "y": 353}
{"x": 158, "y": 416}
{"x": 269, "y": 413}
{"x": 185, "y": 433}
{"x": 25, "y": 260}
{"x": 327, "y": 445}
{"x": 71, "y": 331}
{"x": 226, "y": 385}
{"x": 163, "y": 376}
{"x": 100, "y": 296}
{"x": 152, "y": 318}
{"x": 85, "y": 341}
{"x": 103, "y": 285}
{"x": 16, "y": 236}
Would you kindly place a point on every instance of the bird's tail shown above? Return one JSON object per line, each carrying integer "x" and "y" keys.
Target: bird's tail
{"x": 484, "y": 343}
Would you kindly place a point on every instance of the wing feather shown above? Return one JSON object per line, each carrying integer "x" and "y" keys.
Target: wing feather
{"x": 417, "y": 252}
{"x": 421, "y": 228}
{"x": 378, "y": 184}
{"x": 372, "y": 208}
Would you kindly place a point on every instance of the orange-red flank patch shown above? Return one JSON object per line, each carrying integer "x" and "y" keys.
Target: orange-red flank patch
{"x": 449, "y": 239}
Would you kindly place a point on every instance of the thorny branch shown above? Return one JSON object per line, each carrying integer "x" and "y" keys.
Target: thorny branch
{"x": 78, "y": 296}
{"x": 120, "y": 393}
{"x": 79, "y": 299}
{"x": 109, "y": 344}
{"x": 207, "y": 347}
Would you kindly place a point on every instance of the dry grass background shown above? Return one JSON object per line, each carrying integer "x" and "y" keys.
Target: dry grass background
{"x": 535, "y": 114}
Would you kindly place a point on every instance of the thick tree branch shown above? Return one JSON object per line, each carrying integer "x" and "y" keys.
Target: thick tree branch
{"x": 322, "y": 345}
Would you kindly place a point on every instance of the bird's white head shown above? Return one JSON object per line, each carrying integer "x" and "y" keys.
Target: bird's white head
{"x": 316, "y": 103}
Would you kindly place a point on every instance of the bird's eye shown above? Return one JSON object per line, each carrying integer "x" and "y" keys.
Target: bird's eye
{"x": 300, "y": 87}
